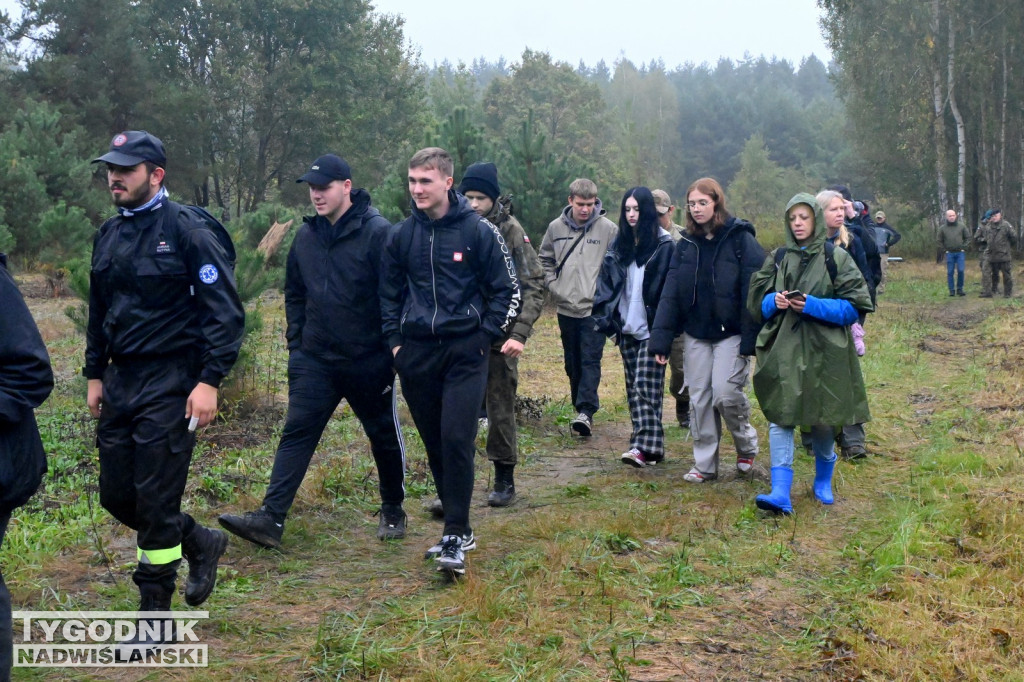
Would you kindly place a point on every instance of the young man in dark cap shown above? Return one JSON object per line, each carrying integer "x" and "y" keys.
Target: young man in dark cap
{"x": 449, "y": 290}
{"x": 336, "y": 351}
{"x": 480, "y": 187}
{"x": 165, "y": 326}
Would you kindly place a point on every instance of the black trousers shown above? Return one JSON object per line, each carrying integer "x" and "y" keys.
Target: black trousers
{"x": 6, "y": 626}
{"x": 145, "y": 451}
{"x": 443, "y": 382}
{"x": 583, "y": 348}
{"x": 315, "y": 389}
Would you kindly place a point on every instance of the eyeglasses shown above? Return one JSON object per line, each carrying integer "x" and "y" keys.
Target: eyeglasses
{"x": 703, "y": 203}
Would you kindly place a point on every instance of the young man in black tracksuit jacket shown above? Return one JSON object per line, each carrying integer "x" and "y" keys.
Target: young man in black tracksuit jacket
{"x": 336, "y": 351}
{"x": 448, "y": 290}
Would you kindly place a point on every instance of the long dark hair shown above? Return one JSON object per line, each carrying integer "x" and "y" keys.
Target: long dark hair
{"x": 638, "y": 245}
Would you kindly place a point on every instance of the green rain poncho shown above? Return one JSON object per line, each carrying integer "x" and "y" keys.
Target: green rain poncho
{"x": 807, "y": 371}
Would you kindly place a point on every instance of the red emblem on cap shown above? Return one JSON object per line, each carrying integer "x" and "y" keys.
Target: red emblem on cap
{"x": 457, "y": 257}
{"x": 119, "y": 140}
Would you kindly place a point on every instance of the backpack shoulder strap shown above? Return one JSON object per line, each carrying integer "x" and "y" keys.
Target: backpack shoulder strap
{"x": 174, "y": 214}
{"x": 830, "y": 259}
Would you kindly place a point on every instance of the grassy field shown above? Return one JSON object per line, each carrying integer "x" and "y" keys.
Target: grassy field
{"x": 600, "y": 571}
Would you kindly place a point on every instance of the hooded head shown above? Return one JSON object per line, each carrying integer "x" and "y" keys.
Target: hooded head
{"x": 813, "y": 211}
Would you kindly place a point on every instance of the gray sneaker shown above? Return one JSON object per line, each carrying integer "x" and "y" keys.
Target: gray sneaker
{"x": 453, "y": 557}
{"x": 582, "y": 424}
{"x": 468, "y": 544}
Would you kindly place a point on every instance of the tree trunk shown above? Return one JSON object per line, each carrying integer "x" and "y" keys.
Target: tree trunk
{"x": 1002, "y": 121}
{"x": 961, "y": 132}
{"x": 938, "y": 122}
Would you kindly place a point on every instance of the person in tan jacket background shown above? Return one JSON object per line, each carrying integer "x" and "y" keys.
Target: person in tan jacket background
{"x": 571, "y": 254}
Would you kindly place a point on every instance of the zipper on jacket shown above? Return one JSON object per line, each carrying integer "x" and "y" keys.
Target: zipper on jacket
{"x": 433, "y": 280}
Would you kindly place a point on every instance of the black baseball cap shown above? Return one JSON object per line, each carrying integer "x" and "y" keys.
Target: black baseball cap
{"x": 132, "y": 147}
{"x": 325, "y": 169}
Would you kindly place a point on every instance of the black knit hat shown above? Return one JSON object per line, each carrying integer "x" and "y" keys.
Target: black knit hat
{"x": 481, "y": 177}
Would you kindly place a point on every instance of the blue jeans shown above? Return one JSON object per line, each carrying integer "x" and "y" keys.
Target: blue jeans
{"x": 955, "y": 259}
{"x": 780, "y": 441}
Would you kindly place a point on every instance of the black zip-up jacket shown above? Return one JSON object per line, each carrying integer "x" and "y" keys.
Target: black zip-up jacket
{"x": 160, "y": 292}
{"x": 331, "y": 283}
{"x": 612, "y": 280}
{"x": 25, "y": 382}
{"x": 736, "y": 257}
{"x": 447, "y": 278}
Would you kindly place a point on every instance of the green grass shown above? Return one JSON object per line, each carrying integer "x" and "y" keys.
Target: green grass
{"x": 601, "y": 572}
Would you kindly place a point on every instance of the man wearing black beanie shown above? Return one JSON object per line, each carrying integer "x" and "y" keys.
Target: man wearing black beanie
{"x": 481, "y": 189}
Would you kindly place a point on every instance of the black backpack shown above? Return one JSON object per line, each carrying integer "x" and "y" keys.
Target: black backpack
{"x": 174, "y": 211}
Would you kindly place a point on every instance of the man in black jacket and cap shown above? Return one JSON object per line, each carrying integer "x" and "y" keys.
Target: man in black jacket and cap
{"x": 336, "y": 351}
{"x": 165, "y": 327}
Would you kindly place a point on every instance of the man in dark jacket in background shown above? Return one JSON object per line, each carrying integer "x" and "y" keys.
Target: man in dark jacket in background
{"x": 480, "y": 187}
{"x": 886, "y": 237}
{"x": 336, "y": 351}
{"x": 449, "y": 289}
{"x": 165, "y": 326}
{"x": 25, "y": 382}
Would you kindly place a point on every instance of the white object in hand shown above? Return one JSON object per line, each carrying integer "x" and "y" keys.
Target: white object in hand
{"x": 193, "y": 423}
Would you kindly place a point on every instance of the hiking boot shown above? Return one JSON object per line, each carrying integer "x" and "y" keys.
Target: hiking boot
{"x": 392, "y": 522}
{"x": 952, "y": 293}
{"x": 635, "y": 458}
{"x": 436, "y": 508}
{"x": 960, "y": 292}
{"x": 854, "y": 452}
{"x": 582, "y": 424}
{"x": 258, "y": 527}
{"x": 151, "y": 631}
{"x": 202, "y": 548}
{"x": 452, "y": 557}
{"x": 468, "y": 544}
{"x": 504, "y": 492}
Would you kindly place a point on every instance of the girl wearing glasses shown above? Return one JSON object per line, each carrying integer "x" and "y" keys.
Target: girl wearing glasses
{"x": 704, "y": 300}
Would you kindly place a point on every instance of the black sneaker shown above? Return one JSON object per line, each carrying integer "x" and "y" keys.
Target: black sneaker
{"x": 854, "y": 452}
{"x": 258, "y": 527}
{"x": 582, "y": 424}
{"x": 202, "y": 548}
{"x": 392, "y": 523}
{"x": 452, "y": 558}
{"x": 468, "y": 544}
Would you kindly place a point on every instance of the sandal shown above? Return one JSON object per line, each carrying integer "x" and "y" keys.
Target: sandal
{"x": 744, "y": 464}
{"x": 695, "y": 476}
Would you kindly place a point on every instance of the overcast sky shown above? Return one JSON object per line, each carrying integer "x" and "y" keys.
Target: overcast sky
{"x": 676, "y": 32}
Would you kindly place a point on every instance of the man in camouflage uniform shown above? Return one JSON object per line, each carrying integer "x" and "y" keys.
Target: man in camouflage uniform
{"x": 983, "y": 262}
{"x": 480, "y": 187}
{"x": 677, "y": 384}
{"x": 1000, "y": 239}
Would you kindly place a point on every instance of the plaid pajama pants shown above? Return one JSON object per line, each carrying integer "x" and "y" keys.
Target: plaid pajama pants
{"x": 645, "y": 389}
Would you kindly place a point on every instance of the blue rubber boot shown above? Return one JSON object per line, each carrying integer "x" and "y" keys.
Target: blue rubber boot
{"x": 778, "y": 501}
{"x": 823, "y": 479}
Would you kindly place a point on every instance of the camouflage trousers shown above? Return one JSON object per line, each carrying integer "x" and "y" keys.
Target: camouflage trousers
{"x": 500, "y": 400}
{"x": 1005, "y": 267}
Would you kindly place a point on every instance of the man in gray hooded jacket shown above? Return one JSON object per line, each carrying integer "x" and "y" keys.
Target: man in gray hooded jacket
{"x": 571, "y": 254}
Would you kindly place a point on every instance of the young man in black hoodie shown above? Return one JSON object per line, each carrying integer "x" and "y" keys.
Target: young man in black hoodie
{"x": 336, "y": 351}
{"x": 449, "y": 289}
